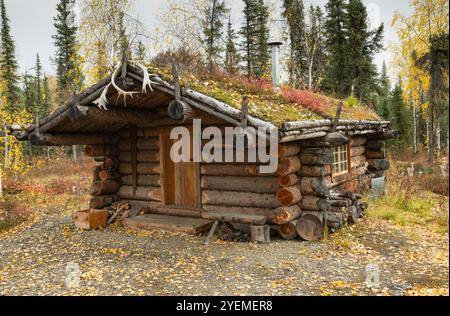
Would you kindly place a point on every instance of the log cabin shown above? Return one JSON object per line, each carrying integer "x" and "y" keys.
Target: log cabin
{"x": 328, "y": 152}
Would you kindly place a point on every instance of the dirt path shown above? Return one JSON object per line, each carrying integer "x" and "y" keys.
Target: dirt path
{"x": 120, "y": 262}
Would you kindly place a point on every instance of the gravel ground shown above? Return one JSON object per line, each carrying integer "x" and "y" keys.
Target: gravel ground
{"x": 124, "y": 262}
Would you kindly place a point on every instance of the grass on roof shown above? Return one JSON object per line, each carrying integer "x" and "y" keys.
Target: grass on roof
{"x": 276, "y": 106}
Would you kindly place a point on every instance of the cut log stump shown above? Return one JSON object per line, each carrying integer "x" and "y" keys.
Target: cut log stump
{"x": 309, "y": 228}
{"x": 104, "y": 188}
{"x": 283, "y": 215}
{"x": 289, "y": 196}
{"x": 288, "y": 231}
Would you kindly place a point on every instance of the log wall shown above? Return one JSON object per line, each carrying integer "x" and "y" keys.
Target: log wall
{"x": 303, "y": 184}
{"x": 146, "y": 187}
{"x": 240, "y": 188}
{"x": 322, "y": 191}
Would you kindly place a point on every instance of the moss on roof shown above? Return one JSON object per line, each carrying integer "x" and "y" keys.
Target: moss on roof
{"x": 276, "y": 106}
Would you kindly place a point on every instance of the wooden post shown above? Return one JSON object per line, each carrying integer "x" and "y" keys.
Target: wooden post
{"x": 133, "y": 134}
{"x": 244, "y": 112}
{"x": 212, "y": 232}
{"x": 260, "y": 234}
{"x": 338, "y": 117}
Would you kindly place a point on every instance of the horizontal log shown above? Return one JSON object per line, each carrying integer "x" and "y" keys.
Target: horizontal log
{"x": 228, "y": 217}
{"x": 358, "y": 161}
{"x": 314, "y": 203}
{"x": 357, "y": 151}
{"x": 72, "y": 139}
{"x": 118, "y": 114}
{"x": 288, "y": 230}
{"x": 142, "y": 193}
{"x": 316, "y": 186}
{"x": 334, "y": 220}
{"x": 126, "y": 168}
{"x": 111, "y": 163}
{"x": 385, "y": 135}
{"x": 142, "y": 205}
{"x": 228, "y": 198}
{"x": 242, "y": 184}
{"x": 378, "y": 164}
{"x": 99, "y": 159}
{"x": 329, "y": 140}
{"x": 306, "y": 124}
{"x": 101, "y": 150}
{"x": 375, "y": 154}
{"x": 283, "y": 215}
{"x": 288, "y": 166}
{"x": 288, "y": 181}
{"x": 315, "y": 171}
{"x": 376, "y": 145}
{"x": 142, "y": 180}
{"x": 104, "y": 187}
{"x": 317, "y": 151}
{"x": 289, "y": 196}
{"x": 159, "y": 210}
{"x": 96, "y": 173}
{"x": 302, "y": 136}
{"x": 358, "y": 141}
{"x": 142, "y": 156}
{"x": 232, "y": 170}
{"x": 141, "y": 144}
{"x": 100, "y": 202}
{"x": 238, "y": 210}
{"x": 317, "y": 159}
{"x": 108, "y": 174}
{"x": 335, "y": 139}
{"x": 125, "y": 133}
{"x": 288, "y": 150}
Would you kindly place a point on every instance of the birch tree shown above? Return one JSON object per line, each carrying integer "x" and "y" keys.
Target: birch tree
{"x": 416, "y": 33}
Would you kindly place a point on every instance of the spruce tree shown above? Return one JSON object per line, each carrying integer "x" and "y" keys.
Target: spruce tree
{"x": 384, "y": 89}
{"x": 47, "y": 97}
{"x": 29, "y": 94}
{"x": 336, "y": 75}
{"x": 215, "y": 12}
{"x": 294, "y": 13}
{"x": 38, "y": 84}
{"x": 362, "y": 44}
{"x": 255, "y": 33}
{"x": 9, "y": 79}
{"x": 399, "y": 114}
{"x": 231, "y": 53}
{"x": 66, "y": 58}
{"x": 141, "y": 52}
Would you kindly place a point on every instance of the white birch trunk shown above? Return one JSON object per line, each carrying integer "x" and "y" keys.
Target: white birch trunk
{"x": 74, "y": 153}
{"x": 438, "y": 137}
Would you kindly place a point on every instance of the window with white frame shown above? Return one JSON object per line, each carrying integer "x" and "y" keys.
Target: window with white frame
{"x": 341, "y": 160}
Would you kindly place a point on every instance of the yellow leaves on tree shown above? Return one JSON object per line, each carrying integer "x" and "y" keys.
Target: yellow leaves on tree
{"x": 430, "y": 17}
{"x": 12, "y": 162}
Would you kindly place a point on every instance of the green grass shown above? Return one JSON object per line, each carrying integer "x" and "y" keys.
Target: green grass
{"x": 426, "y": 210}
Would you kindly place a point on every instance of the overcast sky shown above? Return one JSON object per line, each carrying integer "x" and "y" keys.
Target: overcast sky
{"x": 32, "y": 24}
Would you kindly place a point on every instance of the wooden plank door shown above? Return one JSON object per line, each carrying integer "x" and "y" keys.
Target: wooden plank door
{"x": 181, "y": 180}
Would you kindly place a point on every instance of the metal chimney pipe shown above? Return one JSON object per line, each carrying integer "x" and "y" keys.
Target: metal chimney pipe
{"x": 276, "y": 68}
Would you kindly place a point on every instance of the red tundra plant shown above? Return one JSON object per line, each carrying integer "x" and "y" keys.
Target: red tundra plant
{"x": 307, "y": 99}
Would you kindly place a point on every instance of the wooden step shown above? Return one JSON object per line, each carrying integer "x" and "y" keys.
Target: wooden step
{"x": 193, "y": 226}
{"x": 236, "y": 218}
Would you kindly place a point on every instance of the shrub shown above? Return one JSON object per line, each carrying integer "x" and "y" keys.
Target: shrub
{"x": 351, "y": 102}
{"x": 11, "y": 213}
{"x": 307, "y": 99}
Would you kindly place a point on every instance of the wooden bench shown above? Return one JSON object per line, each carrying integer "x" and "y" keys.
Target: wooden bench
{"x": 260, "y": 232}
